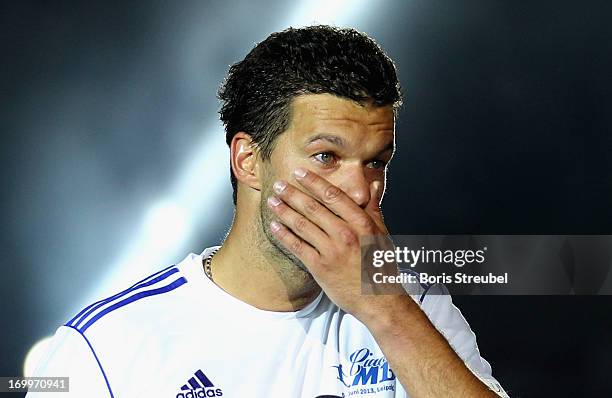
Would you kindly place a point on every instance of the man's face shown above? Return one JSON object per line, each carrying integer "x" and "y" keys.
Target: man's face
{"x": 344, "y": 142}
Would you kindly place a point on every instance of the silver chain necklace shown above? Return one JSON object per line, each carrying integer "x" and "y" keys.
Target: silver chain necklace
{"x": 208, "y": 262}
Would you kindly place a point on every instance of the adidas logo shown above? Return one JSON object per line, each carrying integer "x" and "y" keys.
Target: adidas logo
{"x": 199, "y": 386}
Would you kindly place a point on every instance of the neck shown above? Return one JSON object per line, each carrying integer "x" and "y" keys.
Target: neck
{"x": 250, "y": 268}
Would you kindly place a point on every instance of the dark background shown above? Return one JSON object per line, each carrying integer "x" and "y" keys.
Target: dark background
{"x": 506, "y": 129}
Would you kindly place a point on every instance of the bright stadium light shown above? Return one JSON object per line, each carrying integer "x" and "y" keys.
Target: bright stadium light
{"x": 166, "y": 225}
{"x": 34, "y": 356}
{"x": 170, "y": 222}
{"x": 332, "y": 12}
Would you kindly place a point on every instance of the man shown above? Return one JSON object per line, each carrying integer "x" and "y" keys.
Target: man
{"x": 277, "y": 310}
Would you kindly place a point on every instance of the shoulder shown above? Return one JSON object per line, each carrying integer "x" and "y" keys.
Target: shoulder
{"x": 145, "y": 302}
{"x": 71, "y": 355}
{"x": 125, "y": 335}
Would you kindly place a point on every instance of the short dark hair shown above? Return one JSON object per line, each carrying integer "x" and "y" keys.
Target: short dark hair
{"x": 257, "y": 93}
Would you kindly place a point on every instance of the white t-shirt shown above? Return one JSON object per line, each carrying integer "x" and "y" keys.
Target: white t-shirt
{"x": 176, "y": 334}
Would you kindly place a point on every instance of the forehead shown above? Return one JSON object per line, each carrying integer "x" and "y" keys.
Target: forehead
{"x": 328, "y": 114}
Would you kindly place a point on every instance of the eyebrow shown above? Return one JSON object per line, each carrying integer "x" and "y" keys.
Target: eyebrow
{"x": 390, "y": 147}
{"x": 333, "y": 139}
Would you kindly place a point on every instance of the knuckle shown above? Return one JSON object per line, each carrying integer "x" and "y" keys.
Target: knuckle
{"x": 300, "y": 224}
{"x": 336, "y": 255}
{"x": 297, "y": 246}
{"x": 312, "y": 207}
{"x": 349, "y": 238}
{"x": 365, "y": 222}
{"x": 332, "y": 194}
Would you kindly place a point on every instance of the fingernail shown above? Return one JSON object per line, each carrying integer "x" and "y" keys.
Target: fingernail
{"x": 274, "y": 201}
{"x": 274, "y": 226}
{"x": 279, "y": 186}
{"x": 299, "y": 172}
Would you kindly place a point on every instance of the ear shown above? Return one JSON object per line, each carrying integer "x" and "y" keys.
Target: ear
{"x": 244, "y": 160}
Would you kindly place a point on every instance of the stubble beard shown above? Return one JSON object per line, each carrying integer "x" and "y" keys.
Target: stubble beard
{"x": 272, "y": 246}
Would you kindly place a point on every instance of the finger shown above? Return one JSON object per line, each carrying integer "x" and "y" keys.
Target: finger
{"x": 373, "y": 207}
{"x": 335, "y": 199}
{"x": 308, "y": 207}
{"x": 376, "y": 193}
{"x": 302, "y": 250}
{"x": 298, "y": 224}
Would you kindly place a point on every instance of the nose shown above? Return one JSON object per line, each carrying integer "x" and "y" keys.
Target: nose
{"x": 356, "y": 185}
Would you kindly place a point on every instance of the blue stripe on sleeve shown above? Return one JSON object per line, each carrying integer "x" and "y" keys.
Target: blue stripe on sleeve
{"x": 135, "y": 286}
{"x": 179, "y": 282}
{"x": 125, "y": 292}
{"x": 424, "y": 293}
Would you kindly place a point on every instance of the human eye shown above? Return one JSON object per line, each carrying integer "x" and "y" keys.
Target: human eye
{"x": 326, "y": 158}
{"x": 377, "y": 164}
